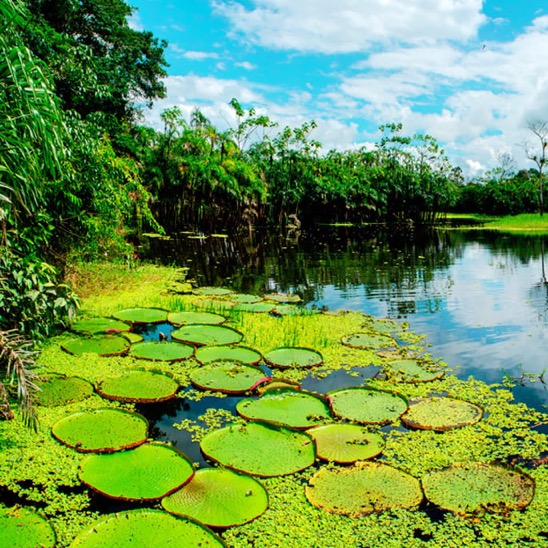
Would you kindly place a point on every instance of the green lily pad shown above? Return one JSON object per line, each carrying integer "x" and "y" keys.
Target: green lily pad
{"x": 260, "y": 449}
{"x": 367, "y": 405}
{"x": 297, "y": 357}
{"x": 219, "y": 497}
{"x": 368, "y": 341}
{"x": 243, "y": 354}
{"x": 142, "y": 315}
{"x": 101, "y": 431}
{"x": 139, "y": 387}
{"x": 104, "y": 345}
{"x": 284, "y": 297}
{"x": 188, "y": 317}
{"x": 363, "y": 489}
{"x": 161, "y": 351}
{"x": 476, "y": 487}
{"x": 132, "y": 337}
{"x": 146, "y": 528}
{"x": 346, "y": 443}
{"x": 245, "y": 298}
{"x": 441, "y": 414}
{"x": 387, "y": 326}
{"x": 149, "y": 472}
{"x": 275, "y": 385}
{"x": 208, "y": 335}
{"x": 227, "y": 376}
{"x": 99, "y": 325}
{"x": 260, "y": 307}
{"x": 213, "y": 291}
{"x": 63, "y": 390}
{"x": 23, "y": 528}
{"x": 286, "y": 407}
{"x": 411, "y": 371}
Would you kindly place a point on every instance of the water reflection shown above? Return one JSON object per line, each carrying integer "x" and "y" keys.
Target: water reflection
{"x": 480, "y": 297}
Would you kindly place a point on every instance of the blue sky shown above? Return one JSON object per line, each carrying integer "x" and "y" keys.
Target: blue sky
{"x": 471, "y": 73}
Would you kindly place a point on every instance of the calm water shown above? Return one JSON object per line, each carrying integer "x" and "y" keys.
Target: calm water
{"x": 481, "y": 298}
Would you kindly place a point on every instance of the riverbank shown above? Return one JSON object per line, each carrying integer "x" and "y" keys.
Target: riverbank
{"x": 525, "y": 223}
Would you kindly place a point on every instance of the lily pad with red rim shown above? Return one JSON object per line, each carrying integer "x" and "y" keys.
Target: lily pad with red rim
{"x": 22, "y": 527}
{"x": 139, "y": 387}
{"x": 228, "y": 377}
{"x": 188, "y": 317}
{"x": 141, "y": 315}
{"x": 260, "y": 449}
{"x": 63, "y": 390}
{"x": 346, "y": 443}
{"x": 104, "y": 345}
{"x": 149, "y": 472}
{"x": 101, "y": 430}
{"x": 219, "y": 497}
{"x": 207, "y": 335}
{"x": 293, "y": 356}
{"x": 476, "y": 487}
{"x": 367, "y": 405}
{"x": 243, "y": 354}
{"x": 368, "y": 341}
{"x": 363, "y": 489}
{"x": 146, "y": 528}
{"x": 161, "y": 351}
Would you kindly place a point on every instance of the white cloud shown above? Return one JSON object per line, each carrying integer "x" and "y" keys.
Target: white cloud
{"x": 351, "y": 25}
{"x": 134, "y": 21}
{"x": 246, "y": 65}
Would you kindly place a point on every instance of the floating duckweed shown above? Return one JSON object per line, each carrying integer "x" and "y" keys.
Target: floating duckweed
{"x": 441, "y": 414}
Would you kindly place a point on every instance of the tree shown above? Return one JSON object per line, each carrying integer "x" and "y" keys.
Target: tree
{"x": 539, "y": 128}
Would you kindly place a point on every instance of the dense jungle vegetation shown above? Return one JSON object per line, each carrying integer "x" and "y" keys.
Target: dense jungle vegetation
{"x": 80, "y": 176}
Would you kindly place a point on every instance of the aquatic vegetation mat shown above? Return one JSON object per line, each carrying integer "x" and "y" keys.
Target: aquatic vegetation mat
{"x": 102, "y": 430}
{"x": 207, "y": 335}
{"x": 141, "y": 315}
{"x": 367, "y": 405}
{"x": 228, "y": 377}
{"x": 245, "y": 298}
{"x": 346, "y": 443}
{"x": 284, "y": 297}
{"x": 206, "y": 354}
{"x": 260, "y": 307}
{"x": 63, "y": 390}
{"x": 213, "y": 291}
{"x": 99, "y": 325}
{"x": 363, "y": 489}
{"x": 104, "y": 345}
{"x": 286, "y": 357}
{"x": 219, "y": 497}
{"x": 477, "y": 487}
{"x": 161, "y": 351}
{"x": 260, "y": 449}
{"x": 368, "y": 341}
{"x": 411, "y": 371}
{"x": 439, "y": 414}
{"x": 23, "y": 528}
{"x": 286, "y": 407}
{"x": 187, "y": 317}
{"x": 146, "y": 528}
{"x": 139, "y": 387}
{"x": 148, "y": 472}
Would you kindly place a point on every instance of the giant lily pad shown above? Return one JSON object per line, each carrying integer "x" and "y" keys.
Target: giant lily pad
{"x": 260, "y": 449}
{"x": 213, "y": 291}
{"x": 292, "y": 356}
{"x": 161, "y": 351}
{"x": 146, "y": 528}
{"x": 363, "y": 489}
{"x": 101, "y": 431}
{"x": 99, "y": 325}
{"x": 245, "y": 298}
{"x": 287, "y": 407}
{"x": 148, "y": 472}
{"x": 441, "y": 414}
{"x": 188, "y": 317}
{"x": 368, "y": 341}
{"x": 208, "y": 335}
{"x": 23, "y": 528}
{"x": 367, "y": 405}
{"x": 219, "y": 497}
{"x": 346, "y": 443}
{"x": 63, "y": 390}
{"x": 142, "y": 315}
{"x": 387, "y": 326}
{"x": 260, "y": 307}
{"x": 478, "y": 487}
{"x": 284, "y": 297}
{"x": 227, "y": 376}
{"x": 411, "y": 371}
{"x": 206, "y": 354}
{"x": 139, "y": 386}
{"x": 104, "y": 345}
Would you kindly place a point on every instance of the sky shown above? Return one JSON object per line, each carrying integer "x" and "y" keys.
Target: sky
{"x": 471, "y": 73}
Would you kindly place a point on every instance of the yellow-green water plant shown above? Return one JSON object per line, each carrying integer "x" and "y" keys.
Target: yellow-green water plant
{"x": 141, "y": 315}
{"x": 478, "y": 487}
{"x": 146, "y": 527}
{"x": 167, "y": 351}
{"x": 148, "y": 472}
{"x": 99, "y": 325}
{"x": 24, "y": 528}
{"x": 219, "y": 497}
{"x": 366, "y": 405}
{"x": 243, "y": 354}
{"x": 364, "y": 488}
{"x": 186, "y": 317}
{"x": 293, "y": 408}
{"x": 260, "y": 449}
{"x": 62, "y": 390}
{"x": 213, "y": 291}
{"x": 228, "y": 377}
{"x": 284, "y": 298}
{"x": 104, "y": 345}
{"x": 208, "y": 335}
{"x": 412, "y": 370}
{"x": 259, "y": 307}
{"x": 441, "y": 413}
{"x": 386, "y": 325}
{"x": 244, "y": 298}
{"x": 346, "y": 443}
{"x": 368, "y": 341}
{"x": 293, "y": 357}
{"x": 138, "y": 387}
{"x": 101, "y": 430}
